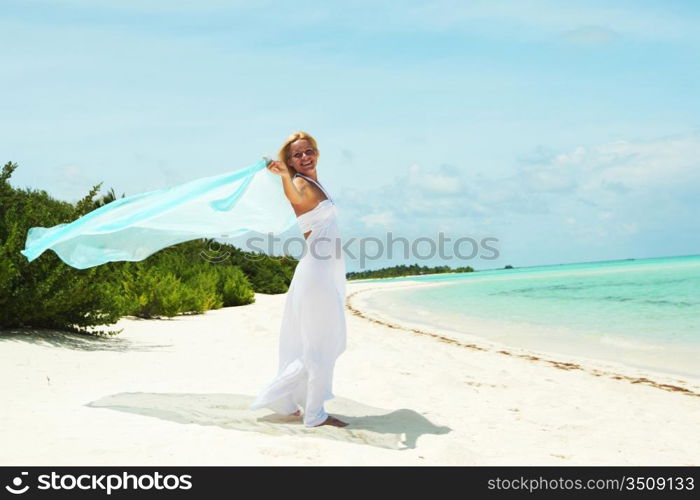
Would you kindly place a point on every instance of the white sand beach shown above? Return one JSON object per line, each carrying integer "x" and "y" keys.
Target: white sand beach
{"x": 175, "y": 392}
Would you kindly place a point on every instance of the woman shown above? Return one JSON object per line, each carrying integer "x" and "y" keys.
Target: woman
{"x": 313, "y": 328}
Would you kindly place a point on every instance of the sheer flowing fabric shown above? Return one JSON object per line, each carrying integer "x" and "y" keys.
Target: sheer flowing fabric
{"x": 132, "y": 228}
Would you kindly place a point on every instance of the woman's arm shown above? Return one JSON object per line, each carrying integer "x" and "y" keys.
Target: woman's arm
{"x": 296, "y": 197}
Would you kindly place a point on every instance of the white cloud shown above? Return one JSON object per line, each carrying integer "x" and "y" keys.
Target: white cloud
{"x": 666, "y": 163}
{"x": 605, "y": 197}
{"x": 72, "y": 172}
{"x": 385, "y": 218}
{"x": 446, "y": 180}
{"x": 590, "y": 35}
{"x": 582, "y": 22}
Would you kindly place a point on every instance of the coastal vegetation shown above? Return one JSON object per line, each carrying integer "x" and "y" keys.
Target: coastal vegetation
{"x": 404, "y": 270}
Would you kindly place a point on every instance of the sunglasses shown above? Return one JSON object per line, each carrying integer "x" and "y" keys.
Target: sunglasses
{"x": 301, "y": 154}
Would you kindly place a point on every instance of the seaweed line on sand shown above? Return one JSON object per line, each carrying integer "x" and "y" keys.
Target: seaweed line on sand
{"x": 539, "y": 359}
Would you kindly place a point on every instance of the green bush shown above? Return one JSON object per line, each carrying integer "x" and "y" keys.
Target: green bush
{"x": 235, "y": 287}
{"x": 46, "y": 293}
{"x": 267, "y": 274}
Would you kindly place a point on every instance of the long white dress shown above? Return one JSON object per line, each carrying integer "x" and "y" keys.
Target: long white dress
{"x": 313, "y": 331}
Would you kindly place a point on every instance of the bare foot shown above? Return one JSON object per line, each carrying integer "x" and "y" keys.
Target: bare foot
{"x": 333, "y": 421}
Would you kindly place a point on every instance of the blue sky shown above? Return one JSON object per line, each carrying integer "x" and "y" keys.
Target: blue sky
{"x": 569, "y": 131}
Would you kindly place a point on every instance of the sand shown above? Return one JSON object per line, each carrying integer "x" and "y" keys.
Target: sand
{"x": 176, "y": 391}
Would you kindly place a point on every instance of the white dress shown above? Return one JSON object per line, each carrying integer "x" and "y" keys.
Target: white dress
{"x": 313, "y": 331}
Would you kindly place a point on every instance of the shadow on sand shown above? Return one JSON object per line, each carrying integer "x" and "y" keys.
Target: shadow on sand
{"x": 75, "y": 341}
{"x": 398, "y": 429}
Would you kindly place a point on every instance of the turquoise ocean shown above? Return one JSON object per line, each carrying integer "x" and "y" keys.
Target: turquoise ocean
{"x": 643, "y": 313}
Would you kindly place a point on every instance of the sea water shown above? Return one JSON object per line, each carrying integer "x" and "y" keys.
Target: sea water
{"x": 641, "y": 313}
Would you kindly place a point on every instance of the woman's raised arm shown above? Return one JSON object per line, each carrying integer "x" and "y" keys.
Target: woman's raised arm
{"x": 295, "y": 196}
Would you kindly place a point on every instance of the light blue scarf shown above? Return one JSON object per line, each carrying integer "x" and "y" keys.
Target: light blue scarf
{"x": 132, "y": 228}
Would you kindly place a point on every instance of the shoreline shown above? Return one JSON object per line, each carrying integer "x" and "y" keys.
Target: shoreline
{"x": 679, "y": 383}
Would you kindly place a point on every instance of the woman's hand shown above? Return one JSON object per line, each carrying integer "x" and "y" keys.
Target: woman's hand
{"x": 292, "y": 193}
{"x": 277, "y": 167}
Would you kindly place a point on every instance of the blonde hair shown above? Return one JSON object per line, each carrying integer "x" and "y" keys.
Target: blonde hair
{"x": 283, "y": 154}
